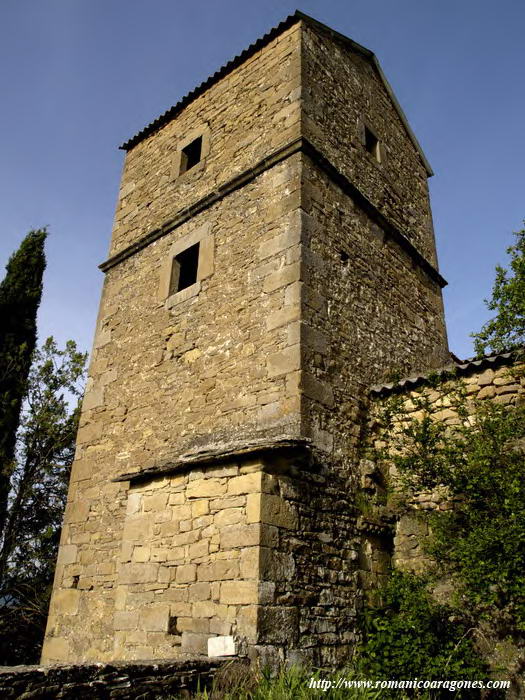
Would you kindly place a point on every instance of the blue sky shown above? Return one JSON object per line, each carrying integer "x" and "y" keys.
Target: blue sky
{"x": 79, "y": 77}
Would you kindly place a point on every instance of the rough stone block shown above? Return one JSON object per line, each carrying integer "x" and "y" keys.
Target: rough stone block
{"x": 227, "y": 502}
{"x": 246, "y": 621}
{"x": 206, "y": 488}
{"x": 89, "y": 432}
{"x": 293, "y": 296}
{"x": 201, "y": 507}
{"x": 141, "y": 554}
{"x": 315, "y": 339}
{"x": 239, "y": 593}
{"x": 230, "y": 516}
{"x": 185, "y": 538}
{"x": 186, "y": 573}
{"x": 156, "y": 502}
{"x": 199, "y": 549}
{"x": 93, "y": 398}
{"x": 126, "y": 620}
{"x": 194, "y": 643}
{"x": 67, "y": 554}
{"x": 486, "y": 377}
{"x": 159, "y": 554}
{"x": 283, "y": 277}
{"x": 155, "y": 618}
{"x": 207, "y": 608}
{"x": 247, "y": 483}
{"x": 317, "y": 390}
{"x": 218, "y": 570}
{"x": 270, "y": 509}
{"x": 284, "y": 316}
{"x": 279, "y": 243}
{"x": 56, "y": 649}
{"x": 284, "y": 362}
{"x": 250, "y": 562}
{"x": 244, "y": 536}
{"x": 138, "y": 528}
{"x": 66, "y": 601}
{"x": 199, "y": 591}
{"x": 182, "y": 512}
{"x": 218, "y": 626}
{"x": 138, "y": 573}
{"x": 134, "y": 503}
{"x": 76, "y": 512}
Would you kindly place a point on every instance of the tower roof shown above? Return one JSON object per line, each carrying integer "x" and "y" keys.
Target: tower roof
{"x": 227, "y": 68}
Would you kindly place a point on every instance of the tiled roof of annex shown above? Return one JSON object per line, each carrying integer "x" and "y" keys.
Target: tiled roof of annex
{"x": 457, "y": 368}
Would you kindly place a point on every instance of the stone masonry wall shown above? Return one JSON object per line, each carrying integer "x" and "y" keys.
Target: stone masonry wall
{"x": 128, "y": 681}
{"x": 314, "y": 568}
{"x": 300, "y": 303}
{"x": 367, "y": 312}
{"x": 341, "y": 91}
{"x": 498, "y": 383}
{"x": 249, "y": 113}
{"x": 271, "y": 553}
{"x": 221, "y": 365}
{"x": 189, "y": 562}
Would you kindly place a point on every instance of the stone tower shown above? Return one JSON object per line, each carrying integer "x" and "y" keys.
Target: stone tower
{"x": 272, "y": 257}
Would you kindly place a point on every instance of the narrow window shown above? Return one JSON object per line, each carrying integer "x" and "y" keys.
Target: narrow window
{"x": 184, "y": 269}
{"x": 372, "y": 144}
{"x": 191, "y": 155}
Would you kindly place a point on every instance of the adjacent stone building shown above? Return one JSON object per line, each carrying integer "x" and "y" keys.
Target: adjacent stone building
{"x": 272, "y": 257}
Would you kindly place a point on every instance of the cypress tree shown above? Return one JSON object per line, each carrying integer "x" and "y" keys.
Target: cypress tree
{"x": 20, "y": 294}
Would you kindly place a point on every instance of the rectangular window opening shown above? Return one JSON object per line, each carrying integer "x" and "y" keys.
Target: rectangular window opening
{"x": 184, "y": 269}
{"x": 372, "y": 144}
{"x": 191, "y": 155}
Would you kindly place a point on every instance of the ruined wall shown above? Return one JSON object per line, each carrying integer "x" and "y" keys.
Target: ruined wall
{"x": 126, "y": 681}
{"x": 499, "y": 379}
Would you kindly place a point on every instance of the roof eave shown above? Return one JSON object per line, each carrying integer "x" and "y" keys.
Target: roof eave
{"x": 238, "y": 60}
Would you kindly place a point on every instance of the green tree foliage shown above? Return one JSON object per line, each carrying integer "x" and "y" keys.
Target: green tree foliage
{"x": 479, "y": 544}
{"x": 412, "y": 636}
{"x": 37, "y": 495}
{"x": 20, "y": 294}
{"x": 476, "y": 466}
{"x": 507, "y": 329}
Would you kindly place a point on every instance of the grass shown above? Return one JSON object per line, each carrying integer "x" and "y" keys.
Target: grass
{"x": 238, "y": 681}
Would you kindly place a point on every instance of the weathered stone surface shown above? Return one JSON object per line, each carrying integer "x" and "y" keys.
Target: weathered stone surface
{"x": 239, "y": 592}
{"x": 212, "y": 491}
{"x": 497, "y": 385}
{"x": 101, "y": 681}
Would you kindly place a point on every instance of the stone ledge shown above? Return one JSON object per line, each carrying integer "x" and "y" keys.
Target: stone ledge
{"x": 212, "y": 455}
{"x": 300, "y": 145}
{"x": 125, "y": 680}
{"x": 204, "y": 203}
